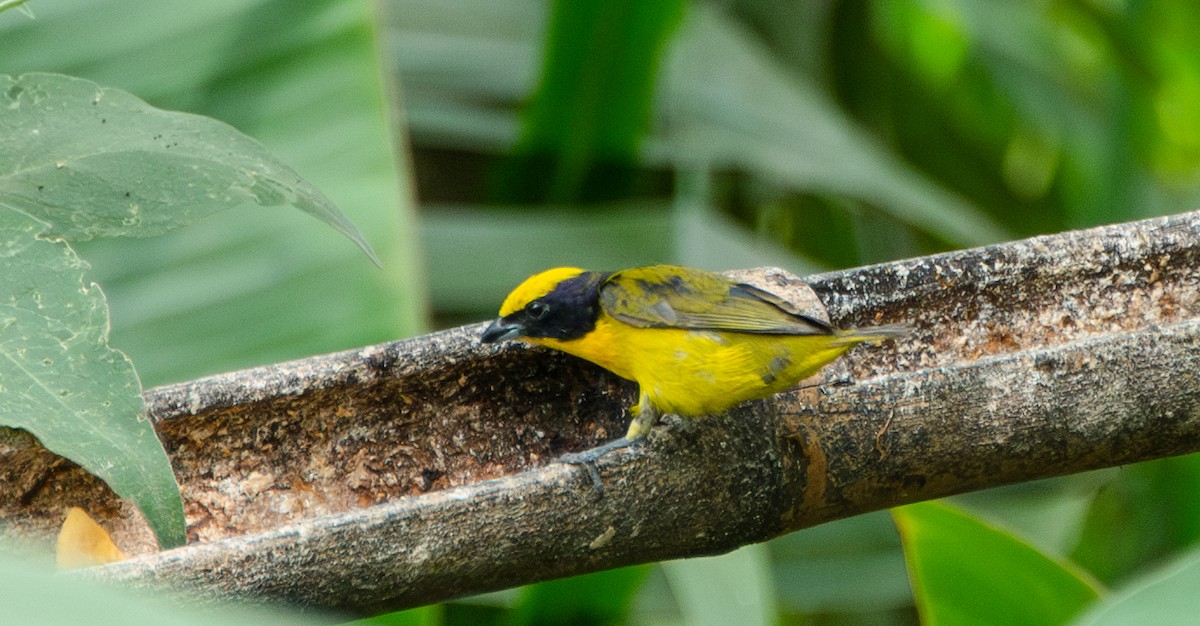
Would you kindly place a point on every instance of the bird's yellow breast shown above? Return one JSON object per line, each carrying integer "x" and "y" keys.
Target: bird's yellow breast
{"x": 698, "y": 372}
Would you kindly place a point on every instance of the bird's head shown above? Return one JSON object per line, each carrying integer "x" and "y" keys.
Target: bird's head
{"x": 561, "y": 303}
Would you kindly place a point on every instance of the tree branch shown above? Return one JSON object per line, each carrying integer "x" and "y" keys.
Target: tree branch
{"x": 412, "y": 472}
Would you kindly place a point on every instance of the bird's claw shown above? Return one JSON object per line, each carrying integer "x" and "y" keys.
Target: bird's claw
{"x": 587, "y": 459}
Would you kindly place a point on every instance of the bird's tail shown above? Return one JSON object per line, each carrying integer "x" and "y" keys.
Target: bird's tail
{"x": 873, "y": 334}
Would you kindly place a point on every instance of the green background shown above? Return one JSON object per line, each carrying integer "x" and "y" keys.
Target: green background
{"x": 477, "y": 141}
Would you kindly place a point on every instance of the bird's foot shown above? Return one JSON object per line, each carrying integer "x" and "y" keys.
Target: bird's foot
{"x": 587, "y": 458}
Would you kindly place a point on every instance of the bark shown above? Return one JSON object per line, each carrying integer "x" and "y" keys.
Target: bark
{"x": 416, "y": 471}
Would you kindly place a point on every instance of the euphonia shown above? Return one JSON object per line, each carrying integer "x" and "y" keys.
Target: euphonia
{"x": 695, "y": 342}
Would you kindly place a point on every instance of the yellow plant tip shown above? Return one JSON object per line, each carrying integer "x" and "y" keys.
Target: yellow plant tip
{"x": 83, "y": 543}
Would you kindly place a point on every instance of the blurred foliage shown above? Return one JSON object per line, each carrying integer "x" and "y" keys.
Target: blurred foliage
{"x": 808, "y": 135}
{"x": 592, "y": 600}
{"x": 1018, "y": 584}
{"x": 584, "y": 124}
{"x": 1142, "y": 518}
{"x": 818, "y": 135}
{"x": 303, "y": 79}
{"x": 34, "y": 593}
{"x": 1165, "y": 596}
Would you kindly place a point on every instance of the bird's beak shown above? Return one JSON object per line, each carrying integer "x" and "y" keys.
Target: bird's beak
{"x": 501, "y": 330}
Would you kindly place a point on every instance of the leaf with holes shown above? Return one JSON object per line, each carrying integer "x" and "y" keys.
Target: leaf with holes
{"x": 60, "y": 381}
{"x": 96, "y": 161}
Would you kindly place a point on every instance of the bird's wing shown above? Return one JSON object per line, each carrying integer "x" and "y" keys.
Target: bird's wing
{"x": 665, "y": 296}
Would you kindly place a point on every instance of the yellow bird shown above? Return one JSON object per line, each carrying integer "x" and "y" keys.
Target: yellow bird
{"x": 695, "y": 342}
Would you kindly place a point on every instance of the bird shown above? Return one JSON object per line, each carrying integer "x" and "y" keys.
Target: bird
{"x": 695, "y": 342}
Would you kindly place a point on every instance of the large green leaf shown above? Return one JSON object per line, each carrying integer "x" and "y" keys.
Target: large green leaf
{"x": 240, "y": 288}
{"x": 88, "y": 160}
{"x": 60, "y": 381}
{"x": 245, "y": 288}
{"x": 966, "y": 572}
{"x": 96, "y": 161}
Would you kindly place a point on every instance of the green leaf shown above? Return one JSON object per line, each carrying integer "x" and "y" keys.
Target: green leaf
{"x": 1167, "y": 596}
{"x": 348, "y": 122}
{"x": 243, "y": 288}
{"x": 964, "y": 571}
{"x": 733, "y": 104}
{"x": 432, "y": 615}
{"x": 1048, "y": 514}
{"x": 60, "y": 381}
{"x": 1146, "y": 512}
{"x": 585, "y": 121}
{"x": 599, "y": 598}
{"x": 11, "y": 4}
{"x": 92, "y": 160}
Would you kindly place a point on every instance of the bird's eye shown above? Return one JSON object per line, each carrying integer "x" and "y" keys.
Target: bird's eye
{"x": 537, "y": 310}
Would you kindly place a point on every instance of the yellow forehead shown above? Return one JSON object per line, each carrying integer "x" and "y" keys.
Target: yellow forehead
{"x": 535, "y": 287}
